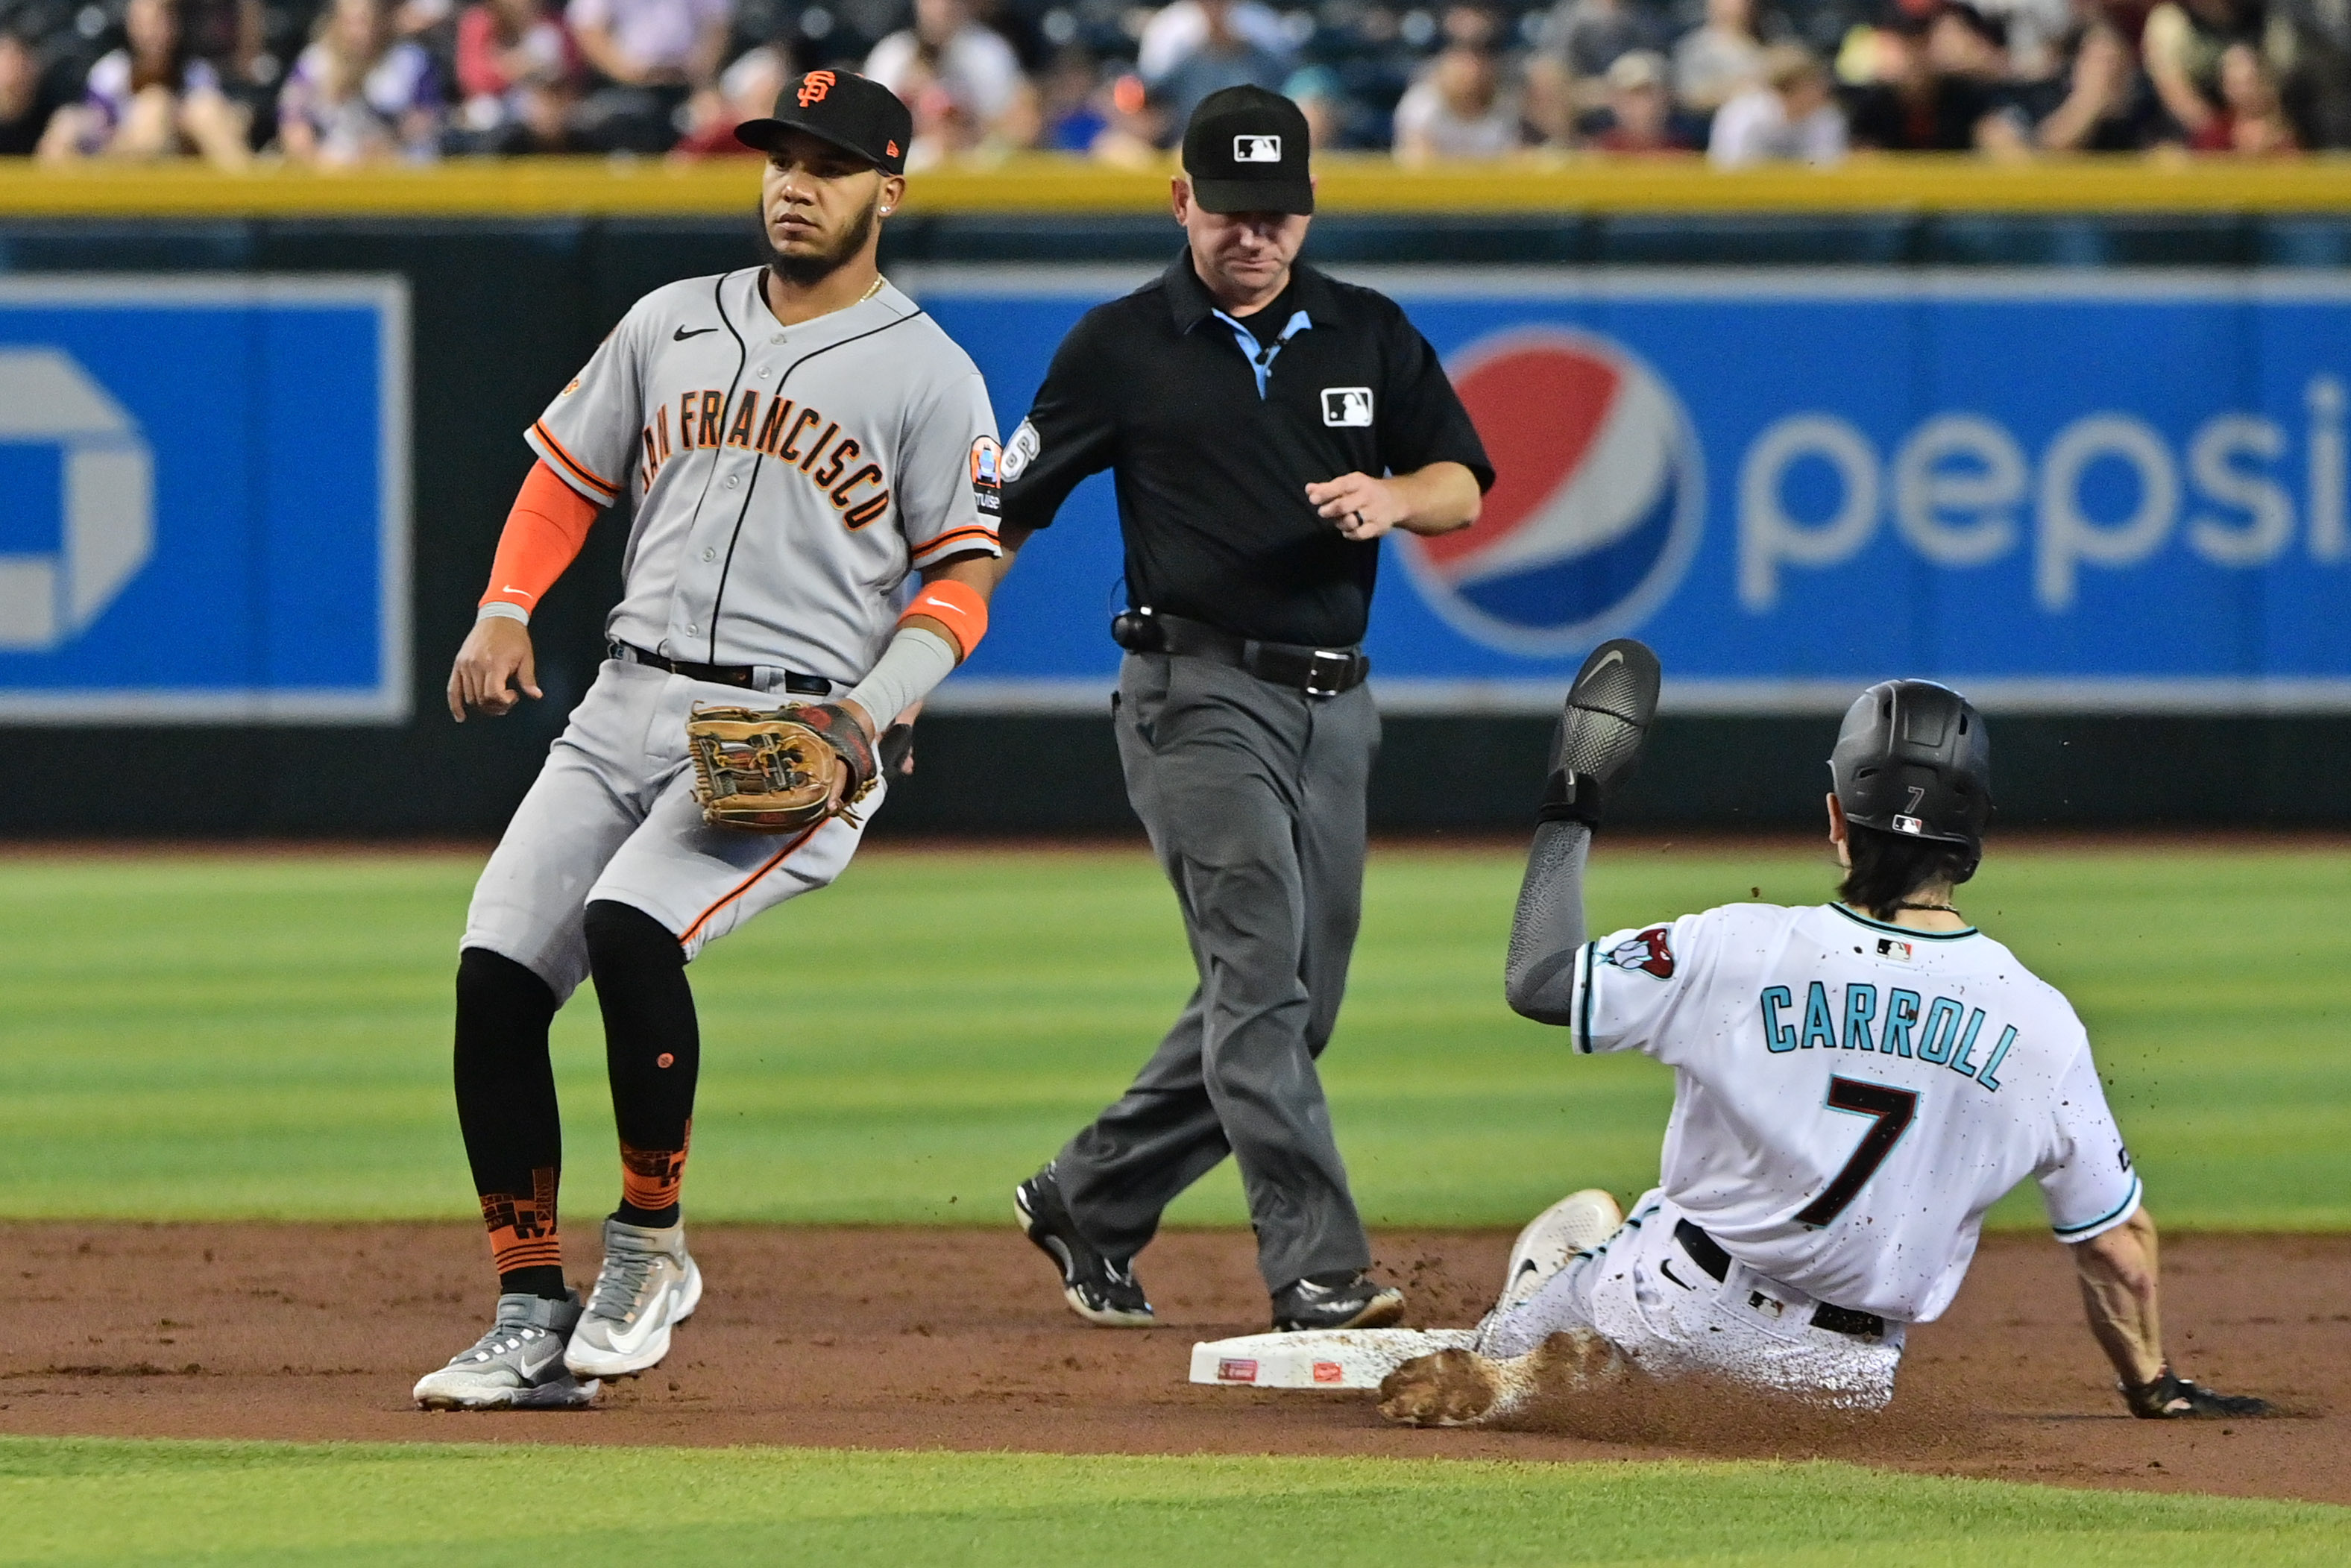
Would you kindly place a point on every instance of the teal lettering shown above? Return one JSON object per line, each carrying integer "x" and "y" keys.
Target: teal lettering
{"x": 1860, "y": 1007}
{"x": 1942, "y": 1029}
{"x": 1777, "y": 1036}
{"x": 1999, "y": 1055}
{"x": 1961, "y": 1062}
{"x": 1819, "y": 1022}
{"x": 1901, "y": 1018}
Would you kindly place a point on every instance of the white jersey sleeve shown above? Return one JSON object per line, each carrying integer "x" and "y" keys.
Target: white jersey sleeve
{"x": 590, "y": 434}
{"x": 1630, "y": 984}
{"x": 2088, "y": 1183}
{"x": 949, "y": 482}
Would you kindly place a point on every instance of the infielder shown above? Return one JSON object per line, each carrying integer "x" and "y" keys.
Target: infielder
{"x": 1856, "y": 1083}
{"x": 798, "y": 438}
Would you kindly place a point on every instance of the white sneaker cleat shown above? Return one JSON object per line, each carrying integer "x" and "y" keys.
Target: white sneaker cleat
{"x": 517, "y": 1365}
{"x": 1576, "y": 1223}
{"x": 648, "y": 1286}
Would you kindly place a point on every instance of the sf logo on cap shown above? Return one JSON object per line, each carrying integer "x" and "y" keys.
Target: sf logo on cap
{"x": 814, "y": 86}
{"x": 1257, "y": 148}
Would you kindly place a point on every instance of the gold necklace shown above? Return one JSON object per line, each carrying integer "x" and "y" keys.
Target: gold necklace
{"x": 873, "y": 291}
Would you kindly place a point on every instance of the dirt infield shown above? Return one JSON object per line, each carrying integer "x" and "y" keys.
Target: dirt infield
{"x": 881, "y": 1339}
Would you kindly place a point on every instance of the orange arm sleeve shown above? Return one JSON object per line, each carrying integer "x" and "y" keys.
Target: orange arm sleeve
{"x": 954, "y": 607}
{"x": 543, "y": 535}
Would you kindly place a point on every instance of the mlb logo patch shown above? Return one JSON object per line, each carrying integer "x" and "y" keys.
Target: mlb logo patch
{"x": 1257, "y": 148}
{"x": 1888, "y": 947}
{"x": 1347, "y": 408}
{"x": 1911, "y": 825}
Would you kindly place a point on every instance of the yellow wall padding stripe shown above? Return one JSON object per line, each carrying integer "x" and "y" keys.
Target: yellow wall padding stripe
{"x": 1535, "y": 184}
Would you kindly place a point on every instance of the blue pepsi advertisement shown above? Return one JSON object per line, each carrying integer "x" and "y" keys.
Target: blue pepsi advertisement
{"x": 2117, "y": 491}
{"x": 203, "y": 499}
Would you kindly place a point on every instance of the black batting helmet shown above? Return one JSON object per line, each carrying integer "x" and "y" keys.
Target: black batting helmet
{"x": 1913, "y": 758}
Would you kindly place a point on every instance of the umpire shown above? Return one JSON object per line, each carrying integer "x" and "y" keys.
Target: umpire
{"x": 1266, "y": 424}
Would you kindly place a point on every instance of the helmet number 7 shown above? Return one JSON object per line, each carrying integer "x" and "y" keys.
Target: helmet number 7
{"x": 1890, "y": 1111}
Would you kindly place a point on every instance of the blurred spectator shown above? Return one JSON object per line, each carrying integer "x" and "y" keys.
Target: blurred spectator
{"x": 1322, "y": 98}
{"x": 519, "y": 73}
{"x": 1720, "y": 58}
{"x": 151, "y": 98}
{"x": 2108, "y": 106}
{"x": 652, "y": 56}
{"x": 1640, "y": 118}
{"x": 2183, "y": 45}
{"x": 1224, "y": 57}
{"x": 1938, "y": 89}
{"x": 1458, "y": 110}
{"x": 971, "y": 65}
{"x": 1176, "y": 30}
{"x": 744, "y": 90}
{"x": 2037, "y": 31}
{"x": 2252, "y": 122}
{"x": 1790, "y": 115}
{"x": 1072, "y": 102}
{"x": 360, "y": 93}
{"x": 26, "y": 103}
{"x": 1566, "y": 76}
{"x": 2309, "y": 42}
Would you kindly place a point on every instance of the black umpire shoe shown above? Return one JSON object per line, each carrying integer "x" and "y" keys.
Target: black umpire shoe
{"x": 1097, "y": 1290}
{"x": 1609, "y": 710}
{"x": 1347, "y": 1299}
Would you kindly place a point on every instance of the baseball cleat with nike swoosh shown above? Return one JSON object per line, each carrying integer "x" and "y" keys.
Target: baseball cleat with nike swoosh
{"x": 1576, "y": 1223}
{"x": 1609, "y": 710}
{"x": 648, "y": 1286}
{"x": 517, "y": 1365}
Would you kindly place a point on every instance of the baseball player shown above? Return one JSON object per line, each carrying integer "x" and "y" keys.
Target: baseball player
{"x": 1856, "y": 1082}
{"x": 797, "y": 438}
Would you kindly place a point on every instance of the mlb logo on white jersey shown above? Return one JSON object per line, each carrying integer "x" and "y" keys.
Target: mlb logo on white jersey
{"x": 1347, "y": 407}
{"x": 1257, "y": 148}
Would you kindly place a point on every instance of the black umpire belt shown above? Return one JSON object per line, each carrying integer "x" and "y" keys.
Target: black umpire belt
{"x": 744, "y": 676}
{"x": 1708, "y": 1255}
{"x": 1317, "y": 672}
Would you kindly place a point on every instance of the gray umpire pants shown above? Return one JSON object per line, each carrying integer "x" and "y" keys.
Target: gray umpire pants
{"x": 1253, "y": 796}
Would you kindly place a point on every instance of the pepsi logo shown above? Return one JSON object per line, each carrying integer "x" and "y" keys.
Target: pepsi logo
{"x": 1598, "y": 501}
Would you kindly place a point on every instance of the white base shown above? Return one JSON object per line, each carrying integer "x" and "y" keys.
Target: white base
{"x": 1318, "y": 1358}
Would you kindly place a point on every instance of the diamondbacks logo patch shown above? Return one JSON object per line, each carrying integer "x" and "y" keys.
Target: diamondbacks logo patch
{"x": 1651, "y": 952}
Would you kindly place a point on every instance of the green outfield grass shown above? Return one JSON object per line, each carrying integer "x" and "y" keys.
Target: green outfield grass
{"x": 99, "y": 1501}
{"x": 268, "y": 1037}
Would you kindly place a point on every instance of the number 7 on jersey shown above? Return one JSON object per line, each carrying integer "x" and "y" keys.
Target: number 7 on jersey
{"x": 1890, "y": 1110}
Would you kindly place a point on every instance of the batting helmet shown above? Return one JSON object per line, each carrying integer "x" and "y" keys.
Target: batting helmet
{"x": 1913, "y": 758}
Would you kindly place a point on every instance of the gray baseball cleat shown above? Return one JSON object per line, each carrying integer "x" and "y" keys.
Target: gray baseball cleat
{"x": 517, "y": 1365}
{"x": 648, "y": 1286}
{"x": 1608, "y": 713}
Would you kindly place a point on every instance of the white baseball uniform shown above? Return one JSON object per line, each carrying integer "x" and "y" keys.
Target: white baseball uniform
{"x": 787, "y": 480}
{"x": 1850, "y": 1098}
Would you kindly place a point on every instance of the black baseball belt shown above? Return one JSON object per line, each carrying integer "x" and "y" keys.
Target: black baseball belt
{"x": 1317, "y": 672}
{"x": 744, "y": 676}
{"x": 1708, "y": 1255}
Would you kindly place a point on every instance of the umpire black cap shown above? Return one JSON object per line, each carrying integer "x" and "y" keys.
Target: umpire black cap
{"x": 854, "y": 113}
{"x": 1913, "y": 758}
{"x": 1246, "y": 151}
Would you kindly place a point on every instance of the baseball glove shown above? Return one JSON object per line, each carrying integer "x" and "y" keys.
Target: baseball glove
{"x": 764, "y": 772}
{"x": 2167, "y": 1396}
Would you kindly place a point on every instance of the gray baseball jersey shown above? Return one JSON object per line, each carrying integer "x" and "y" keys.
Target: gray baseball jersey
{"x": 785, "y": 478}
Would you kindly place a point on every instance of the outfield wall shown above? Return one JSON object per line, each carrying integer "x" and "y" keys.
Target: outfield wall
{"x": 322, "y": 384}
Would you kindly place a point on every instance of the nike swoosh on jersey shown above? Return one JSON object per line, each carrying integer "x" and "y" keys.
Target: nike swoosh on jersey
{"x": 681, "y": 335}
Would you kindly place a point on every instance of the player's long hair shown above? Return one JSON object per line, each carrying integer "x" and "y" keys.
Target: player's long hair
{"x": 1891, "y": 869}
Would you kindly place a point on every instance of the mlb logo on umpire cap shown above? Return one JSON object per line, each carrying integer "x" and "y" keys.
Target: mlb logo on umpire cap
{"x": 1257, "y": 148}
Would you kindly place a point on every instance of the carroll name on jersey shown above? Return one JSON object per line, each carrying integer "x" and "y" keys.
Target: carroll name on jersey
{"x": 1942, "y": 1030}
{"x": 778, "y": 430}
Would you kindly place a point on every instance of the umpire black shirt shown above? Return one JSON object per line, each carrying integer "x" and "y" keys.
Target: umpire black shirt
{"x": 1211, "y": 478}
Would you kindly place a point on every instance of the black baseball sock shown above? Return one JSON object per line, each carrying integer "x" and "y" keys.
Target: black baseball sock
{"x": 505, "y": 1107}
{"x": 652, "y": 1051}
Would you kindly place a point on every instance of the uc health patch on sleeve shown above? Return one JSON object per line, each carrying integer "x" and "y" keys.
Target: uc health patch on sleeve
{"x": 1651, "y": 952}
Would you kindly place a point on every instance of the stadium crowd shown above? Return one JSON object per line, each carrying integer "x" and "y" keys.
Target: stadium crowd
{"x": 1737, "y": 81}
